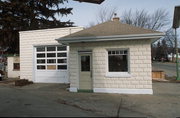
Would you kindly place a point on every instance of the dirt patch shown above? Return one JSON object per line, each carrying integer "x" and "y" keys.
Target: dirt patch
{"x": 22, "y": 82}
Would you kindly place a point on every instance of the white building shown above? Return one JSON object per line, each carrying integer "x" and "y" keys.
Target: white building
{"x": 42, "y": 58}
{"x": 111, "y": 57}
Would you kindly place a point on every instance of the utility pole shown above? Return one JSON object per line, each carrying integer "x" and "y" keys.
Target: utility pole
{"x": 177, "y": 54}
{"x": 176, "y": 23}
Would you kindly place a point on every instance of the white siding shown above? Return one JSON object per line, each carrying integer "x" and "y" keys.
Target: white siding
{"x": 29, "y": 39}
{"x": 11, "y": 72}
{"x": 139, "y": 62}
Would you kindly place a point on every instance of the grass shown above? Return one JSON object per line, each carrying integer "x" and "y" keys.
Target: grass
{"x": 85, "y": 91}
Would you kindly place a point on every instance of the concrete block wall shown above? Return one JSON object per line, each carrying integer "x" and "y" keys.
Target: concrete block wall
{"x": 11, "y": 73}
{"x": 29, "y": 39}
{"x": 139, "y": 64}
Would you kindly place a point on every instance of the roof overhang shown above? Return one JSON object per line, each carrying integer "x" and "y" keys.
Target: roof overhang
{"x": 176, "y": 19}
{"x": 91, "y": 1}
{"x": 67, "y": 41}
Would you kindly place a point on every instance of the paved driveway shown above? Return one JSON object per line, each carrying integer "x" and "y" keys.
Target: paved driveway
{"x": 55, "y": 100}
{"x": 36, "y": 100}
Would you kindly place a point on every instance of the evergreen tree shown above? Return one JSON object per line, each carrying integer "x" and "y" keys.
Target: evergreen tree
{"x": 21, "y": 15}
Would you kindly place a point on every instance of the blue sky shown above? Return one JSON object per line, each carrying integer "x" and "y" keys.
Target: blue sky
{"x": 84, "y": 13}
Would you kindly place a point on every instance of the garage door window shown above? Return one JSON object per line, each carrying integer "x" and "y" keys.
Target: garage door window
{"x": 51, "y": 58}
{"x": 62, "y": 67}
{"x": 62, "y": 55}
{"x": 41, "y": 55}
{"x": 51, "y": 67}
{"x": 41, "y": 61}
{"x": 51, "y": 48}
{"x": 51, "y": 61}
{"x": 41, "y": 67}
{"x": 62, "y": 48}
{"x": 40, "y": 49}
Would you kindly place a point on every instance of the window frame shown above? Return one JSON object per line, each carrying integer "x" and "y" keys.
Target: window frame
{"x": 46, "y": 52}
{"x": 118, "y": 74}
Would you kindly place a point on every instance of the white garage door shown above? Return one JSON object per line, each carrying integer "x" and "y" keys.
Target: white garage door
{"x": 51, "y": 64}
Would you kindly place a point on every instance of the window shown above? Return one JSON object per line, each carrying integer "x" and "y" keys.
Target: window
{"x": 62, "y": 60}
{"x": 85, "y": 63}
{"x": 40, "y": 55}
{"x": 63, "y": 67}
{"x": 41, "y": 61}
{"x": 40, "y": 49}
{"x": 41, "y": 67}
{"x": 51, "y": 48}
{"x": 51, "y": 54}
{"x": 62, "y": 55}
{"x": 61, "y": 48}
{"x": 51, "y": 61}
{"x": 51, "y": 58}
{"x": 51, "y": 67}
{"x": 118, "y": 61}
{"x": 16, "y": 66}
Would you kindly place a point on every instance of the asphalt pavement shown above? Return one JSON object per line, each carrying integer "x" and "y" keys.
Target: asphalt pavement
{"x": 18, "y": 102}
{"x": 53, "y": 100}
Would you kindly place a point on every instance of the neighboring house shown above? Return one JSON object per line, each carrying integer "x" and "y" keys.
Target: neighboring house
{"x": 13, "y": 66}
{"x": 42, "y": 58}
{"x": 111, "y": 57}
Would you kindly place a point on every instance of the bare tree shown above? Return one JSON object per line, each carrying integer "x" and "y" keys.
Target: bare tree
{"x": 157, "y": 20}
{"x": 170, "y": 39}
{"x": 141, "y": 18}
{"x": 105, "y": 14}
{"x": 137, "y": 18}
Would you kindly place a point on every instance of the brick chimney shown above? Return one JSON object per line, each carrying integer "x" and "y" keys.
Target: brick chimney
{"x": 116, "y": 18}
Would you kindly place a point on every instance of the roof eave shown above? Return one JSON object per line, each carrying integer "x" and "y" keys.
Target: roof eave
{"x": 110, "y": 38}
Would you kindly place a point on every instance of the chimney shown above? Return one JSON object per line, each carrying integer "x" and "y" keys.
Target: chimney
{"x": 116, "y": 18}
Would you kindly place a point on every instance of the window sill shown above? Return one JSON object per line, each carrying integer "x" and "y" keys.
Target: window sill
{"x": 118, "y": 74}
{"x": 16, "y": 69}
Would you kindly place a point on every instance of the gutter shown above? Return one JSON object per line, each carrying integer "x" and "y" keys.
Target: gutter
{"x": 110, "y": 38}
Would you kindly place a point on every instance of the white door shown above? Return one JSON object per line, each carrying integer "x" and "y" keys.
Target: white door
{"x": 85, "y": 74}
{"x": 51, "y": 64}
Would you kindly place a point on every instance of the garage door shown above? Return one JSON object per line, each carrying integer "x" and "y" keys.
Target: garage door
{"x": 51, "y": 64}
